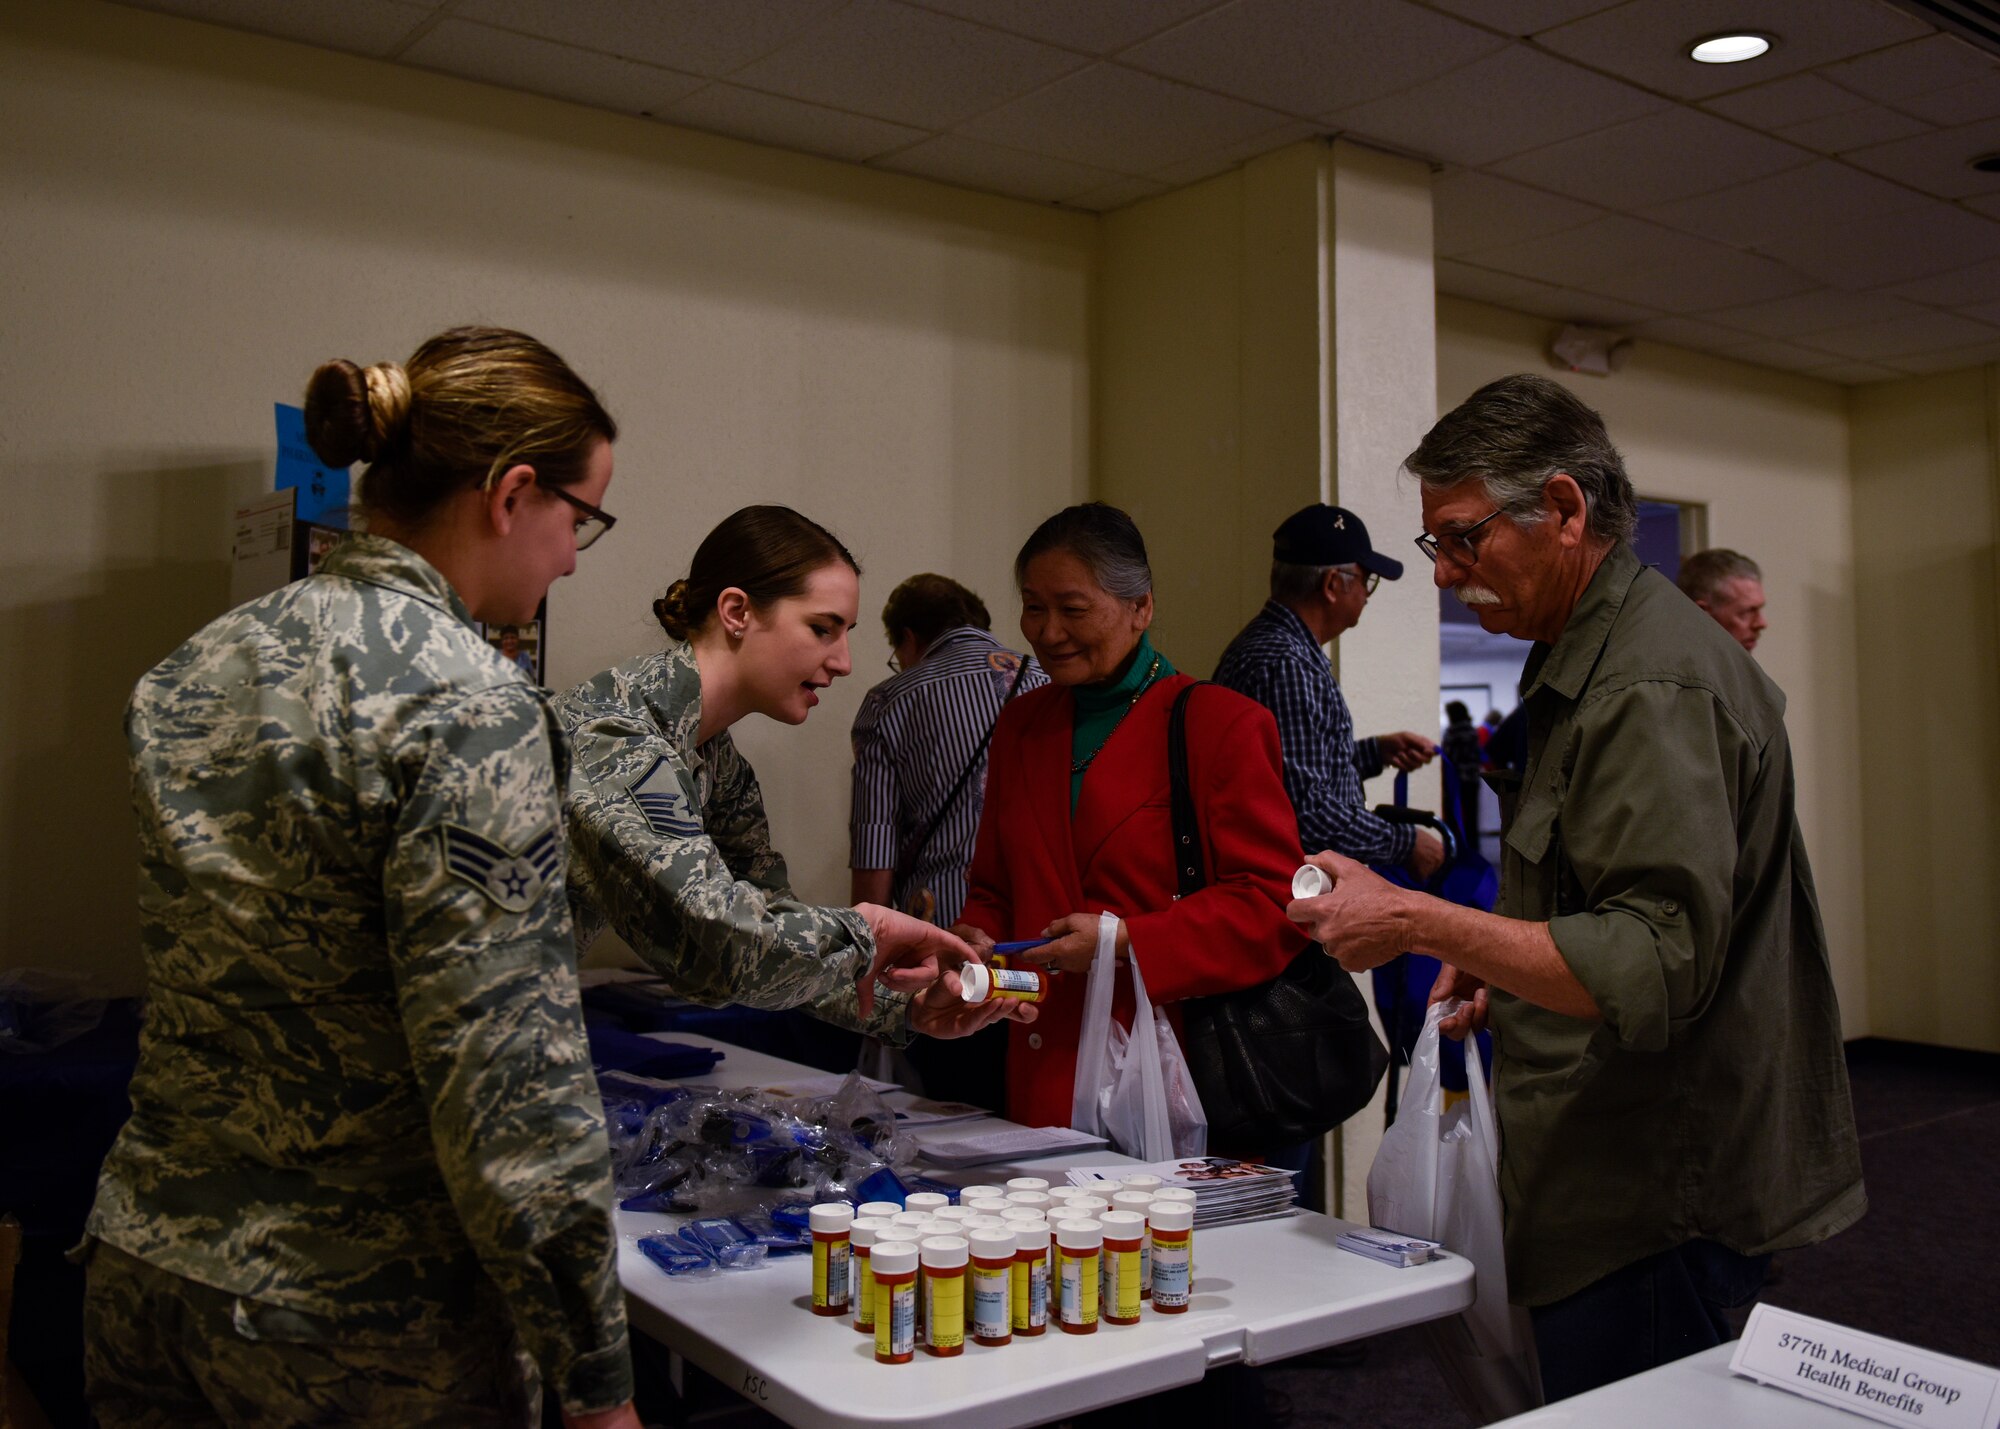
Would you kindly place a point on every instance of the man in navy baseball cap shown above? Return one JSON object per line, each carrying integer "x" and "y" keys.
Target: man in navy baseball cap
{"x": 1323, "y": 570}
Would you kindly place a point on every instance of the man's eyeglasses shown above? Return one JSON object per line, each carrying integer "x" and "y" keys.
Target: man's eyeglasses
{"x": 595, "y": 522}
{"x": 1369, "y": 580}
{"x": 1457, "y": 545}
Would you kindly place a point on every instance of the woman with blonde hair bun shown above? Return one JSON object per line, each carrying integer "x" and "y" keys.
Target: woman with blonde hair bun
{"x": 365, "y": 1180}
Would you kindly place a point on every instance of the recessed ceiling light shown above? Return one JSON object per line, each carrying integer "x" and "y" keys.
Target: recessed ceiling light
{"x": 1729, "y": 49}
{"x": 1987, "y": 163}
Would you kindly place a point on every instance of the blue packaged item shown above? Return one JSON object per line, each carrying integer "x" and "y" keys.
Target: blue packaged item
{"x": 775, "y": 1238}
{"x": 924, "y": 1183}
{"x": 793, "y": 1215}
{"x": 674, "y": 1255}
{"x": 750, "y": 1255}
{"x": 881, "y": 1185}
{"x": 666, "y": 1200}
{"x": 617, "y": 1086}
{"x": 716, "y": 1232}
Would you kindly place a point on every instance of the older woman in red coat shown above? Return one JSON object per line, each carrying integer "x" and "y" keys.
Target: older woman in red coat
{"x": 1077, "y": 822}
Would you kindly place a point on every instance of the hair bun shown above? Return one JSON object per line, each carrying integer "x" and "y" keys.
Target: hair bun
{"x": 672, "y": 612}
{"x": 352, "y": 415}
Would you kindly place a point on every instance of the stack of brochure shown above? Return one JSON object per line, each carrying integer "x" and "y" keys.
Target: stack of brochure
{"x": 1388, "y": 1247}
{"x": 1226, "y": 1192}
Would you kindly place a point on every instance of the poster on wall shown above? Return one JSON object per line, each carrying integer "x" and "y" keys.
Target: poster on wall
{"x": 524, "y": 645}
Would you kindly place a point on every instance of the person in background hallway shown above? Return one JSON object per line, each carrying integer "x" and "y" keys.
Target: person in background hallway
{"x": 366, "y": 1164}
{"x": 920, "y": 742}
{"x": 1668, "y": 1070}
{"x": 1728, "y": 585}
{"x": 1322, "y": 572}
{"x": 1461, "y": 746}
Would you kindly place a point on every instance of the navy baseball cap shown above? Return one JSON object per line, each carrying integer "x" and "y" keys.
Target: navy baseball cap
{"x": 1330, "y": 536}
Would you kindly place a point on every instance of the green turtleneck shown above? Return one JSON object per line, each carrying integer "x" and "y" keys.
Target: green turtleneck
{"x": 1099, "y": 708}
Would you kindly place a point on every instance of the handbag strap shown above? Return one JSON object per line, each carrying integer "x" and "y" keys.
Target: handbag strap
{"x": 1188, "y": 869}
{"x": 906, "y": 861}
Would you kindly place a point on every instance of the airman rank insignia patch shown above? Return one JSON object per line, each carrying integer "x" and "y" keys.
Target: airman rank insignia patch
{"x": 664, "y": 803}
{"x": 515, "y": 881}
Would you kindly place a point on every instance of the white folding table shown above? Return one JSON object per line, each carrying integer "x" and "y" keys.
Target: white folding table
{"x": 1263, "y": 1292}
{"x": 1696, "y": 1390}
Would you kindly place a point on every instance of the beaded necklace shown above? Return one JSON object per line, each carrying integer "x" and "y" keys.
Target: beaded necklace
{"x": 1077, "y": 766}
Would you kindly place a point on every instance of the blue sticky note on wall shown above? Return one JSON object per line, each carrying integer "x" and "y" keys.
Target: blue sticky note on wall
{"x": 322, "y": 489}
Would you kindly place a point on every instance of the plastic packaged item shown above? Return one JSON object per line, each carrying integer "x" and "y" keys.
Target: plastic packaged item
{"x": 861, "y": 1243}
{"x": 832, "y": 1243}
{"x": 675, "y": 1256}
{"x": 777, "y": 1238}
{"x": 943, "y": 1262}
{"x": 1172, "y": 1225}
{"x": 1027, "y": 1183}
{"x": 1080, "y": 1246}
{"x": 1139, "y": 1202}
{"x": 1310, "y": 881}
{"x": 977, "y": 983}
{"x": 895, "y": 1268}
{"x": 1030, "y": 1291}
{"x": 992, "y": 1286}
{"x": 880, "y": 1186}
{"x": 1118, "y": 1299}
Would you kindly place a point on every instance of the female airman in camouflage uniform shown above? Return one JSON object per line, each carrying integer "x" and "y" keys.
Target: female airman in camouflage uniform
{"x": 366, "y": 1158}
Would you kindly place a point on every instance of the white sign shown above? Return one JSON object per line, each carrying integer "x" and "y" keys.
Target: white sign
{"x": 1885, "y": 1380}
{"x": 261, "y": 555}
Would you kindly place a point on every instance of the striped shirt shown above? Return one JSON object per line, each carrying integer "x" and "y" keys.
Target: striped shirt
{"x": 1276, "y": 662}
{"x": 912, "y": 738}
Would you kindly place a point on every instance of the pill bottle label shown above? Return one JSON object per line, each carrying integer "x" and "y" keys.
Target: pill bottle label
{"x": 1031, "y": 1293}
{"x": 991, "y": 1319}
{"x": 830, "y": 1275}
{"x": 944, "y": 1311}
{"x": 864, "y": 1290}
{"x": 1080, "y": 1275}
{"x": 1173, "y": 1263}
{"x": 1121, "y": 1286}
{"x": 1146, "y": 1266}
{"x": 1017, "y": 983}
{"x": 895, "y": 1319}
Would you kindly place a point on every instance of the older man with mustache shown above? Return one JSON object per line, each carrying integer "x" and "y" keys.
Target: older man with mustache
{"x": 1669, "y": 1079}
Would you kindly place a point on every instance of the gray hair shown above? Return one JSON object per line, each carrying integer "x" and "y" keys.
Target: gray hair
{"x": 1291, "y": 582}
{"x": 1104, "y": 538}
{"x": 1517, "y": 433}
{"x": 1703, "y": 573}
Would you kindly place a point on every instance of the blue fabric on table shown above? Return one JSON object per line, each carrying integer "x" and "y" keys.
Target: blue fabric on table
{"x": 614, "y": 1049}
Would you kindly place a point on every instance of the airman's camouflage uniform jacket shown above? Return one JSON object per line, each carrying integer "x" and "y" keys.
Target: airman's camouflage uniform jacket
{"x": 363, "y": 1085}
{"x": 670, "y": 846}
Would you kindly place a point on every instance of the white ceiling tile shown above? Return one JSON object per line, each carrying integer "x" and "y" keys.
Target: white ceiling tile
{"x": 1856, "y": 129}
{"x": 1939, "y": 162}
{"x": 1988, "y": 313}
{"x": 1523, "y": 17}
{"x": 1547, "y": 300}
{"x": 1647, "y": 42}
{"x": 1691, "y": 332}
{"x": 1927, "y": 331}
{"x": 1097, "y": 27}
{"x": 1471, "y": 210}
{"x": 911, "y": 66}
{"x": 1872, "y": 250}
{"x": 1505, "y": 103}
{"x": 971, "y": 164}
{"x": 1639, "y": 262}
{"x": 1785, "y": 355}
{"x": 473, "y": 51}
{"x": 789, "y": 123}
{"x": 1675, "y": 153}
{"x": 1215, "y": 161}
{"x": 1816, "y": 311}
{"x": 1819, "y": 195}
{"x": 1960, "y": 288}
{"x": 1311, "y": 57}
{"x": 1853, "y": 374}
{"x": 1119, "y": 119}
{"x": 693, "y": 35}
{"x": 360, "y": 27}
{"x": 1915, "y": 68}
{"x": 1791, "y": 100}
{"x": 1924, "y": 363}
{"x": 1989, "y": 204}
{"x": 1118, "y": 195}
{"x": 1960, "y": 104}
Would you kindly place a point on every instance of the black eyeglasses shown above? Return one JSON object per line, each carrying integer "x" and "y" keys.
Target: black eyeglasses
{"x": 595, "y": 522}
{"x": 1369, "y": 580}
{"x": 1454, "y": 543}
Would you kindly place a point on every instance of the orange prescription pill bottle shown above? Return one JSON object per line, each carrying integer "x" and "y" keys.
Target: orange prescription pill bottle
{"x": 977, "y": 982}
{"x": 861, "y": 1240}
{"x": 944, "y": 1260}
{"x": 1081, "y": 1246}
{"x": 992, "y": 1286}
{"x": 832, "y": 1223}
{"x": 1172, "y": 1224}
{"x": 1124, "y": 1233}
{"x": 1139, "y": 1202}
{"x": 1031, "y": 1277}
{"x": 895, "y": 1264}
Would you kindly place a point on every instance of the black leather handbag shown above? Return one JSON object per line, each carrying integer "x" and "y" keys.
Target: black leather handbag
{"x": 1284, "y": 1061}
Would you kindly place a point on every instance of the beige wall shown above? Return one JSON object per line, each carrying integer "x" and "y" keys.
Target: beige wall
{"x": 1767, "y": 453}
{"x": 192, "y": 218}
{"x": 1925, "y": 505}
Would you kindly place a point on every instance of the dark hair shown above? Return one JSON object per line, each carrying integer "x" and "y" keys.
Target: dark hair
{"x": 1456, "y": 713}
{"x": 469, "y": 404}
{"x": 1517, "y": 433}
{"x": 1703, "y": 573}
{"x": 928, "y": 605}
{"x": 1104, "y": 538}
{"x": 767, "y": 552}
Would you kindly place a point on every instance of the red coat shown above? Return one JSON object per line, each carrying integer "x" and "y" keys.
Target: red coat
{"x": 1035, "y": 862}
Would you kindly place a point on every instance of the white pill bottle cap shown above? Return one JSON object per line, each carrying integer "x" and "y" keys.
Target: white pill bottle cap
{"x": 894, "y": 1259}
{"x": 944, "y": 1252}
{"x": 1310, "y": 881}
{"x": 1031, "y": 1235}
{"x": 1080, "y": 1235}
{"x": 1170, "y": 1216}
{"x": 866, "y": 1229}
{"x": 993, "y": 1245}
{"x": 831, "y": 1217}
{"x": 1027, "y": 1183}
{"x": 975, "y": 983}
{"x": 1123, "y": 1225}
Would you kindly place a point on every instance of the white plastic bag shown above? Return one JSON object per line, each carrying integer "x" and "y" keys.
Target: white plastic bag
{"x": 1134, "y": 1089}
{"x": 1437, "y": 1176}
